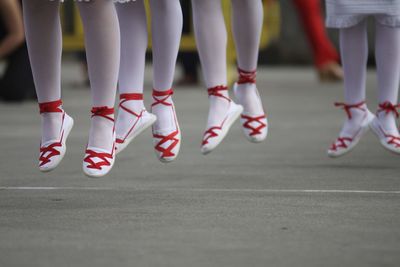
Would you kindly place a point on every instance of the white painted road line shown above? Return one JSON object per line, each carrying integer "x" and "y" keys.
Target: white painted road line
{"x": 304, "y": 191}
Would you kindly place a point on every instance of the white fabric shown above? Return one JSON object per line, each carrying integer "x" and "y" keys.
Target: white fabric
{"x": 347, "y": 13}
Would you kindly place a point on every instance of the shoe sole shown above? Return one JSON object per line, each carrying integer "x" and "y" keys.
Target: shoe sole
{"x": 377, "y": 130}
{"x": 248, "y": 137}
{"x": 229, "y": 122}
{"x": 253, "y": 139}
{"x": 62, "y": 153}
{"x": 91, "y": 175}
{"x": 357, "y": 138}
{"x": 178, "y": 146}
{"x": 121, "y": 147}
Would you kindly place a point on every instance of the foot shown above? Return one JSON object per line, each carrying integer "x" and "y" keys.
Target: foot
{"x": 385, "y": 128}
{"x": 56, "y": 128}
{"x": 100, "y": 152}
{"x": 354, "y": 128}
{"x": 330, "y": 72}
{"x": 133, "y": 119}
{"x": 166, "y": 131}
{"x": 253, "y": 119}
{"x": 222, "y": 114}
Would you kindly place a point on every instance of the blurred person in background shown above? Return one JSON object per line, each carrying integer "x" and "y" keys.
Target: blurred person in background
{"x": 326, "y": 58}
{"x": 16, "y": 84}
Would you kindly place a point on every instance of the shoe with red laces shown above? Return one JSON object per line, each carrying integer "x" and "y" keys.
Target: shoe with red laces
{"x": 344, "y": 144}
{"x": 98, "y": 162}
{"x": 214, "y": 135}
{"x": 254, "y": 125}
{"x": 140, "y": 122}
{"x": 53, "y": 151}
{"x": 389, "y": 140}
{"x": 167, "y": 142}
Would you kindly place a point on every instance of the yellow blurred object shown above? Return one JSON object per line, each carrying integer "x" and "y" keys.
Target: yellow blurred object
{"x": 74, "y": 38}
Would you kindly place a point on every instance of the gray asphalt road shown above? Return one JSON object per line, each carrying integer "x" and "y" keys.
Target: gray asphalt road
{"x": 280, "y": 203}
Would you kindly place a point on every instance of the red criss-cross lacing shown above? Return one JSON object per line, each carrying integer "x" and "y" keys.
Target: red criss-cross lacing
{"x": 104, "y": 112}
{"x": 124, "y": 98}
{"x": 51, "y": 151}
{"x": 47, "y": 152}
{"x": 388, "y": 107}
{"x": 104, "y": 159}
{"x": 394, "y": 140}
{"x": 165, "y": 152}
{"x": 162, "y": 101}
{"x": 246, "y": 76}
{"x": 342, "y": 143}
{"x": 258, "y": 120}
{"x": 211, "y": 132}
{"x": 215, "y": 91}
{"x": 347, "y": 108}
{"x": 51, "y": 107}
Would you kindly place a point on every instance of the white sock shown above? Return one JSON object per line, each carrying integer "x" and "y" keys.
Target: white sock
{"x": 103, "y": 54}
{"x": 43, "y": 36}
{"x": 166, "y": 33}
{"x": 218, "y": 106}
{"x": 354, "y": 52}
{"x": 164, "y": 112}
{"x": 133, "y": 26}
{"x": 387, "y": 52}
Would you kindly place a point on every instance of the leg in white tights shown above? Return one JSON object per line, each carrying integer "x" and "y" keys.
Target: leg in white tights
{"x": 354, "y": 52}
{"x": 211, "y": 39}
{"x": 387, "y": 52}
{"x": 133, "y": 26}
{"x": 43, "y": 36}
{"x": 166, "y": 33}
{"x": 247, "y": 20}
{"x": 103, "y": 53}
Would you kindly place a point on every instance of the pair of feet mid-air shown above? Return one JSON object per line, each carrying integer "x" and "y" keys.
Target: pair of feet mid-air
{"x": 360, "y": 120}
{"x": 133, "y": 119}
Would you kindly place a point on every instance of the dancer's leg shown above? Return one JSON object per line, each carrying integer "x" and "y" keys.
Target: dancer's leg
{"x": 387, "y": 51}
{"x": 354, "y": 52}
{"x": 103, "y": 53}
{"x": 247, "y": 23}
{"x": 211, "y": 39}
{"x": 132, "y": 117}
{"x": 166, "y": 32}
{"x": 43, "y": 36}
{"x": 354, "y": 48}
